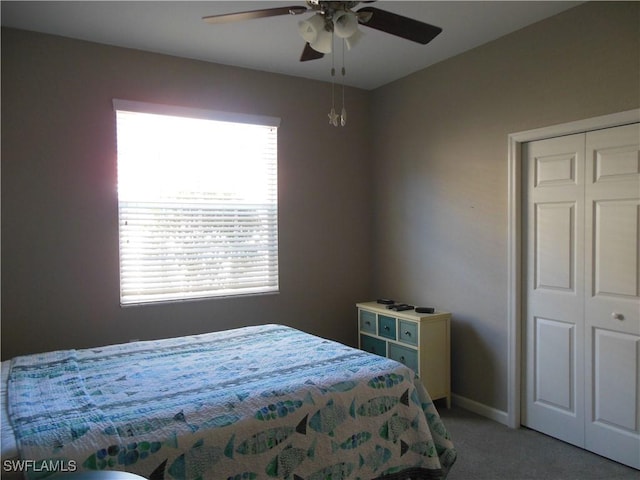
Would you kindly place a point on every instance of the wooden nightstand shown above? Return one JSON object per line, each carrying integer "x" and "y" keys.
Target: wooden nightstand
{"x": 421, "y": 341}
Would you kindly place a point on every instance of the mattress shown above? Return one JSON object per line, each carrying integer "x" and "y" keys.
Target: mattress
{"x": 259, "y": 402}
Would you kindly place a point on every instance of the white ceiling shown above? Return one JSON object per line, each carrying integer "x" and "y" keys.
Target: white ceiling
{"x": 273, "y": 44}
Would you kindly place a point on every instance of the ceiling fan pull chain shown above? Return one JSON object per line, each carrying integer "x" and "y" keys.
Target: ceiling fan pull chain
{"x": 333, "y": 116}
{"x": 343, "y": 113}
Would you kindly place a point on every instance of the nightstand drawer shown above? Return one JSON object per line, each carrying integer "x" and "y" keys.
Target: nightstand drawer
{"x": 373, "y": 345}
{"x": 387, "y": 327}
{"x": 367, "y": 321}
{"x": 404, "y": 355}
{"x": 408, "y": 332}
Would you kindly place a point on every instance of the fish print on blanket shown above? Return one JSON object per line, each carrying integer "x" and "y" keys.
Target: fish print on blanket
{"x": 339, "y": 387}
{"x": 338, "y": 471}
{"x": 134, "y": 429}
{"x": 423, "y": 448}
{"x": 436, "y": 424}
{"x": 196, "y": 461}
{"x": 268, "y": 439}
{"x": 282, "y": 392}
{"x": 388, "y": 380}
{"x": 354, "y": 441}
{"x": 380, "y": 405}
{"x": 375, "y": 459}
{"x": 209, "y": 407}
{"x": 328, "y": 418}
{"x": 288, "y": 459}
{"x": 282, "y": 408}
{"x": 158, "y": 472}
{"x": 116, "y": 455}
{"x": 243, "y": 476}
{"x": 393, "y": 428}
{"x": 220, "y": 421}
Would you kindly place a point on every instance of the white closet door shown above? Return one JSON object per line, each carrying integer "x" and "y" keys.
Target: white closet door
{"x": 582, "y": 295}
{"x": 612, "y": 283}
{"x": 553, "y": 401}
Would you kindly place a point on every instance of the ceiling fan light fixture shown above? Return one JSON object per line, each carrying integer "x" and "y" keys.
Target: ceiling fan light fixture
{"x": 364, "y": 17}
{"x": 311, "y": 28}
{"x": 323, "y": 43}
{"x": 353, "y": 39}
{"x": 345, "y": 24}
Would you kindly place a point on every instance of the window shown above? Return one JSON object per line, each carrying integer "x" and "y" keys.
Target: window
{"x": 197, "y": 202}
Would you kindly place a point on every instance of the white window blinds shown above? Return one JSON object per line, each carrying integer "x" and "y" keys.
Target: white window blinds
{"x": 197, "y": 196}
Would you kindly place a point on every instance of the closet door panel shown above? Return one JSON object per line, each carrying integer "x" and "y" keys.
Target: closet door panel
{"x": 553, "y": 402}
{"x": 612, "y": 293}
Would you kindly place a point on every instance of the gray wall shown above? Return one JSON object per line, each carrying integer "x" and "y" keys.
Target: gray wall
{"x": 440, "y": 156}
{"x": 59, "y": 201}
{"x": 432, "y": 186}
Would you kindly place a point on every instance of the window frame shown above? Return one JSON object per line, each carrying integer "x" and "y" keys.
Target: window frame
{"x": 128, "y": 299}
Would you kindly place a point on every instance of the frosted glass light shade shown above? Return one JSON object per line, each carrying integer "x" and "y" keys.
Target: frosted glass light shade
{"x": 310, "y": 29}
{"x": 345, "y": 24}
{"x": 353, "y": 39}
{"x": 323, "y": 42}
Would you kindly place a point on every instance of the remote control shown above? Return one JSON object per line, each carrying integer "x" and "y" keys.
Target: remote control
{"x": 403, "y": 307}
{"x": 425, "y": 310}
{"x": 385, "y": 301}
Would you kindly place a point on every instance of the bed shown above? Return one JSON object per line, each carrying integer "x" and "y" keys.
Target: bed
{"x": 259, "y": 402}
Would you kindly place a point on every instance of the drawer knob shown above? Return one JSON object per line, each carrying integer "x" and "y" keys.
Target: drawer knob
{"x": 407, "y": 333}
{"x": 617, "y": 316}
{"x": 402, "y": 359}
{"x": 386, "y": 327}
{"x": 367, "y": 322}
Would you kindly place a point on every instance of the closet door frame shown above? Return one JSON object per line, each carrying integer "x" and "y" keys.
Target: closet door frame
{"x": 515, "y": 376}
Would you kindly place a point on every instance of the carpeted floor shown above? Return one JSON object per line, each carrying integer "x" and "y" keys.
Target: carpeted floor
{"x": 488, "y": 450}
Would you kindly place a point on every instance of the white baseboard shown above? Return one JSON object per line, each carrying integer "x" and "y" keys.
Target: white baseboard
{"x": 480, "y": 408}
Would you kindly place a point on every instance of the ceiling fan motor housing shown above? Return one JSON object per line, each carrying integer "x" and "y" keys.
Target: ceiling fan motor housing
{"x": 329, "y": 9}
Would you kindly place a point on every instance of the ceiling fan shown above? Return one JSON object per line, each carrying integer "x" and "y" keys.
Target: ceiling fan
{"x": 339, "y": 19}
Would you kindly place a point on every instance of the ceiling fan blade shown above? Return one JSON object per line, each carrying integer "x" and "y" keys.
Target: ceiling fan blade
{"x": 400, "y": 26}
{"x": 268, "y": 12}
{"x": 310, "y": 54}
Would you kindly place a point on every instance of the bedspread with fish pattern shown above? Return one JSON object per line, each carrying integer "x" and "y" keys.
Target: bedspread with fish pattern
{"x": 262, "y": 402}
